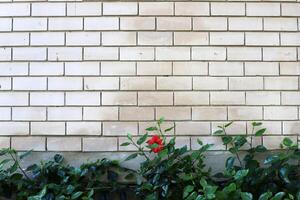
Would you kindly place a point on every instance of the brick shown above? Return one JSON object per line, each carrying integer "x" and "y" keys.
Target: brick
{"x": 290, "y": 98}
{"x": 244, "y": 53}
{"x": 263, "y": 9}
{"x": 190, "y": 38}
{"x": 217, "y": 141}
{"x": 154, "y": 68}
{"x": 118, "y": 38}
{"x": 5, "y": 113}
{"x": 119, "y": 98}
{"x": 47, "y": 99}
{"x": 65, "y": 23}
{"x": 100, "y": 144}
{"x": 172, "y": 53}
{"x": 15, "y": 128}
{"x": 190, "y": 68}
{"x": 245, "y": 24}
{"x": 280, "y": 24}
{"x": 137, "y": 83}
{"x": 191, "y": 98}
{"x": 262, "y": 39}
{"x": 155, "y": 38}
{"x": 14, "y": 98}
{"x": 101, "y": 83}
{"x": 192, "y": 8}
{"x": 210, "y": 83}
{"x": 48, "y": 9}
{"x": 192, "y": 128}
{"x": 246, "y": 83}
{"x": 47, "y": 39}
{"x": 155, "y": 98}
{"x": 118, "y": 68}
{"x": 137, "y": 23}
{"x": 30, "y": 24}
{"x": 6, "y": 24}
{"x": 46, "y": 68}
{"x": 136, "y": 53}
{"x": 84, "y": 9}
{"x": 4, "y": 142}
{"x": 174, "y": 83}
{"x": 281, "y": 83}
{"x": 227, "y": 98}
{"x": 82, "y": 38}
{"x": 209, "y": 23}
{"x": 29, "y": 53}
{"x": 291, "y": 128}
{"x": 273, "y": 128}
{"x": 226, "y": 38}
{"x": 262, "y": 98}
{"x": 28, "y": 143}
{"x": 64, "y": 113}
{"x": 5, "y": 54}
{"x": 47, "y": 128}
{"x": 208, "y": 53}
{"x": 15, "y": 9}
{"x": 290, "y": 9}
{"x": 228, "y": 9}
{"x": 64, "y": 53}
{"x": 261, "y": 68}
{"x": 119, "y": 128}
{"x": 209, "y": 113}
{"x": 234, "y": 129}
{"x": 101, "y": 53}
{"x": 290, "y": 39}
{"x": 84, "y": 128}
{"x": 14, "y": 39}
{"x": 5, "y": 83}
{"x": 100, "y": 113}
{"x": 136, "y": 113}
{"x": 280, "y": 113}
{"x": 65, "y": 83}
{"x": 226, "y": 68}
{"x": 29, "y": 113}
{"x": 245, "y": 113}
{"x": 82, "y": 98}
{"x": 156, "y": 8}
{"x": 82, "y": 68}
{"x": 174, "y": 23}
{"x": 279, "y": 54}
{"x": 64, "y": 144}
{"x": 29, "y": 83}
{"x": 101, "y": 23}
{"x": 273, "y": 142}
{"x": 290, "y": 68}
{"x": 174, "y": 113}
{"x": 120, "y": 8}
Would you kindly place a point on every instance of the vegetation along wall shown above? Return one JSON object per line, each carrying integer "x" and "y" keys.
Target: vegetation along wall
{"x": 78, "y": 76}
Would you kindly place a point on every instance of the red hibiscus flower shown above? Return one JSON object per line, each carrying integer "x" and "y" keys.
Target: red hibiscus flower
{"x": 156, "y": 140}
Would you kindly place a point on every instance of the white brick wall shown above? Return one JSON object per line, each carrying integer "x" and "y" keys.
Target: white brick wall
{"x": 78, "y": 75}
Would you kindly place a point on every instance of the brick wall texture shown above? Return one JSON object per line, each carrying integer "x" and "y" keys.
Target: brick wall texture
{"x": 78, "y": 76}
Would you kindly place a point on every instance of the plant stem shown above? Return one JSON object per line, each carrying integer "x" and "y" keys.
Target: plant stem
{"x": 16, "y": 161}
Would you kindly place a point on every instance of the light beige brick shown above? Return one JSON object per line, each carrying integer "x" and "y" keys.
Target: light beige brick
{"x": 210, "y": 83}
{"x": 47, "y": 128}
{"x": 17, "y": 9}
{"x": 15, "y": 128}
{"x": 281, "y": 83}
{"x": 290, "y": 39}
{"x": 82, "y": 38}
{"x": 120, "y": 128}
{"x": 227, "y": 9}
{"x": 5, "y": 54}
{"x": 136, "y": 113}
{"x": 137, "y": 83}
{"x": 48, "y": 9}
{"x": 280, "y": 24}
{"x": 155, "y": 98}
{"x": 172, "y": 53}
{"x": 272, "y": 128}
{"x": 46, "y": 69}
{"x": 64, "y": 144}
{"x": 245, "y": 113}
{"x": 119, "y": 98}
{"x": 263, "y": 9}
{"x": 5, "y": 113}
{"x": 64, "y": 53}
{"x": 210, "y": 23}
{"x": 262, "y": 98}
{"x": 244, "y": 53}
{"x": 82, "y": 68}
{"x": 64, "y": 113}
{"x": 226, "y": 68}
{"x": 84, "y": 128}
{"x": 154, "y": 68}
{"x": 217, "y": 141}
{"x": 290, "y": 98}
{"x": 65, "y": 23}
{"x": 226, "y": 38}
{"x": 6, "y": 24}
{"x": 262, "y": 39}
{"x": 273, "y": 142}
{"x": 84, "y": 9}
{"x": 174, "y": 23}
{"x": 101, "y": 53}
{"x": 156, "y": 8}
{"x": 5, "y": 83}
{"x": 65, "y": 83}
{"x": 192, "y": 8}
{"x": 29, "y": 83}
{"x": 190, "y": 38}
{"x": 246, "y": 83}
{"x": 47, "y": 98}
{"x": 100, "y": 113}
{"x": 192, "y": 128}
{"x": 101, "y": 23}
{"x": 29, "y": 24}
{"x": 191, "y": 98}
{"x": 155, "y": 38}
{"x": 245, "y": 24}
{"x": 101, "y": 83}
{"x": 47, "y": 39}
{"x": 290, "y": 68}
{"x": 235, "y": 128}
{"x": 29, "y": 53}
{"x": 227, "y": 98}
{"x": 120, "y": 8}
{"x": 29, "y": 113}
{"x": 100, "y": 144}
{"x": 209, "y": 113}
{"x": 261, "y": 68}
{"x": 280, "y": 113}
{"x": 290, "y": 9}
{"x": 14, "y": 98}
{"x": 279, "y": 54}
{"x": 190, "y": 68}
{"x": 174, "y": 83}
{"x": 28, "y": 143}
{"x": 137, "y": 23}
{"x": 136, "y": 53}
{"x": 14, "y": 39}
{"x": 174, "y": 113}
{"x": 208, "y": 53}
{"x": 118, "y": 38}
{"x": 118, "y": 68}
{"x": 291, "y": 128}
{"x": 82, "y": 98}
{"x": 4, "y": 142}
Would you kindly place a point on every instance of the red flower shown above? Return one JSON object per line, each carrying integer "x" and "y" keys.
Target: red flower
{"x": 156, "y": 140}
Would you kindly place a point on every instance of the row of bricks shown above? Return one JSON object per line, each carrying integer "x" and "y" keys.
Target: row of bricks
{"x": 150, "y": 53}
{"x": 108, "y": 144}
{"x": 187, "y": 128}
{"x": 149, "y": 38}
{"x": 109, "y": 113}
{"x": 151, "y": 8}
{"x": 150, "y": 83}
{"x": 150, "y": 23}
{"x": 146, "y": 69}
{"x": 147, "y": 98}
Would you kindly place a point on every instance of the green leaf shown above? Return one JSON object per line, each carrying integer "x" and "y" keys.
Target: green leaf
{"x": 260, "y": 132}
{"x": 14, "y": 168}
{"x": 230, "y": 162}
{"x": 142, "y": 139}
{"x": 256, "y": 123}
{"x": 271, "y": 159}
{"x": 169, "y": 129}
{"x": 23, "y": 155}
{"x": 129, "y": 136}
{"x": 203, "y": 182}
{"x": 241, "y": 174}
{"x": 226, "y": 125}
{"x": 58, "y": 158}
{"x": 287, "y": 142}
{"x": 218, "y": 132}
{"x": 284, "y": 174}
{"x": 187, "y": 190}
{"x": 246, "y": 196}
{"x": 125, "y": 144}
{"x": 151, "y": 129}
{"x": 260, "y": 149}
{"x": 76, "y": 195}
{"x": 163, "y": 153}
{"x": 161, "y": 120}
{"x": 278, "y": 196}
{"x": 132, "y": 156}
{"x": 227, "y": 139}
{"x": 230, "y": 188}
{"x": 265, "y": 196}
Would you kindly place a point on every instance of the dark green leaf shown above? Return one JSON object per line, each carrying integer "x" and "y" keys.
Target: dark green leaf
{"x": 287, "y": 142}
{"x": 132, "y": 156}
{"x": 187, "y": 190}
{"x": 226, "y": 125}
{"x": 278, "y": 196}
{"x": 151, "y": 129}
{"x": 23, "y": 155}
{"x": 218, "y": 132}
{"x": 260, "y": 132}
{"x": 246, "y": 196}
{"x": 125, "y": 144}
{"x": 142, "y": 139}
{"x": 76, "y": 195}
